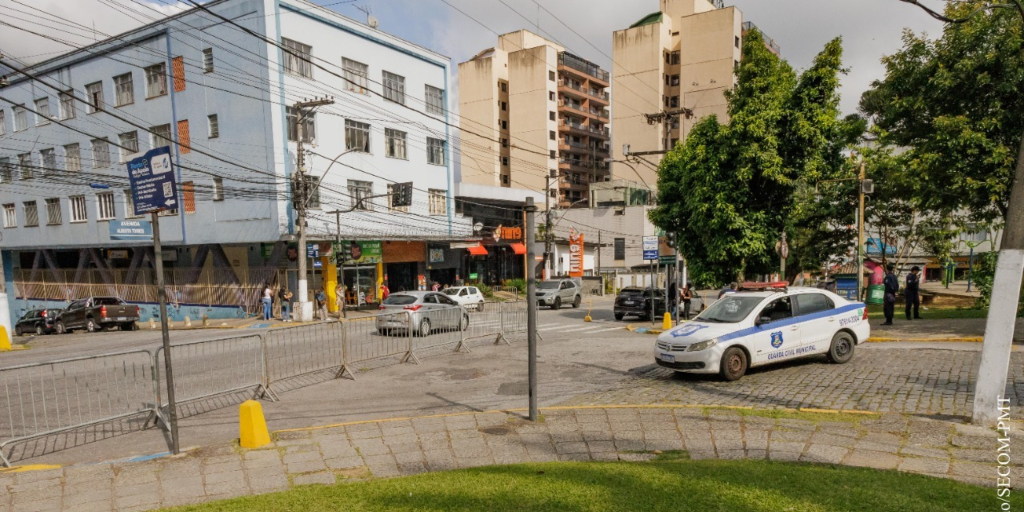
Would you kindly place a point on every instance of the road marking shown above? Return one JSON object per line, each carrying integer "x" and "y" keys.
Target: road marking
{"x": 609, "y": 329}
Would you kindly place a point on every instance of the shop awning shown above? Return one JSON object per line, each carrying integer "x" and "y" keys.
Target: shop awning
{"x": 477, "y": 250}
{"x": 518, "y": 248}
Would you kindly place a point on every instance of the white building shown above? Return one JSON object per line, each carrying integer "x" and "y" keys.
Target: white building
{"x": 224, "y": 95}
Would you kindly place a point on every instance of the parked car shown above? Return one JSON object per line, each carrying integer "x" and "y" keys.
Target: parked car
{"x": 95, "y": 313}
{"x": 637, "y": 301}
{"x": 39, "y": 321}
{"x": 764, "y": 326}
{"x": 466, "y": 296}
{"x": 556, "y": 292}
{"x": 428, "y": 311}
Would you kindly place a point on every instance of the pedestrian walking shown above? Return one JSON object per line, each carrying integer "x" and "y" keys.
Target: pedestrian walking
{"x": 435, "y": 287}
{"x": 687, "y": 298}
{"x": 384, "y": 291}
{"x": 268, "y": 301}
{"x": 910, "y": 293}
{"x": 892, "y": 287}
{"x": 286, "y": 304}
{"x": 339, "y": 299}
{"x": 673, "y": 298}
{"x": 321, "y": 304}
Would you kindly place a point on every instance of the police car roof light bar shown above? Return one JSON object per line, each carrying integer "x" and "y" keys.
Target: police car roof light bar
{"x": 755, "y": 286}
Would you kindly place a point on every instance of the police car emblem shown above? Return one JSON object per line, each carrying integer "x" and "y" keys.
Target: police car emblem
{"x": 687, "y": 330}
{"x": 777, "y": 339}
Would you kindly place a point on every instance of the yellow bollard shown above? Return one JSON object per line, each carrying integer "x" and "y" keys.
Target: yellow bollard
{"x": 591, "y": 306}
{"x": 666, "y": 324}
{"x": 252, "y": 425}
{"x": 5, "y": 340}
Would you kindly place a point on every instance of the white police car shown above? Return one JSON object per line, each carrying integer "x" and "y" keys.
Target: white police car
{"x": 768, "y": 324}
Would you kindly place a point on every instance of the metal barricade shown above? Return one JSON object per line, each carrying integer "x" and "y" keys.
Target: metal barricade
{"x": 301, "y": 350}
{"x": 440, "y": 327}
{"x": 513, "y": 317}
{"x": 485, "y": 321}
{"x": 379, "y": 336}
{"x": 206, "y": 369}
{"x": 44, "y": 399}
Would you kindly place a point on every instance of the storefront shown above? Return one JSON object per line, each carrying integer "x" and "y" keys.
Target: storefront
{"x": 405, "y": 265}
{"x": 444, "y": 264}
{"x": 360, "y": 268}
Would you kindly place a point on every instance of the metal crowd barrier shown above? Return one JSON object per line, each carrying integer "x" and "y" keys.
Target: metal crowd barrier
{"x": 44, "y": 399}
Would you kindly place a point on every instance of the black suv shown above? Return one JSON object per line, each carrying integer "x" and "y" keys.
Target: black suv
{"x": 637, "y": 301}
{"x": 39, "y": 321}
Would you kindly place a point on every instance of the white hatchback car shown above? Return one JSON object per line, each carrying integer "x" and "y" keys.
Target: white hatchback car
{"x": 754, "y": 328}
{"x": 467, "y": 296}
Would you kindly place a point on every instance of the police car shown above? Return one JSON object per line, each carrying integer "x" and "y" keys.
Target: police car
{"x": 764, "y": 323}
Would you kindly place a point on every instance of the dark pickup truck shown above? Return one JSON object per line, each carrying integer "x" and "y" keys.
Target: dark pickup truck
{"x": 96, "y": 313}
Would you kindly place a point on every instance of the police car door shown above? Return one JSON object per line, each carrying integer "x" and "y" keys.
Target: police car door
{"x": 776, "y": 333}
{"x": 816, "y": 325}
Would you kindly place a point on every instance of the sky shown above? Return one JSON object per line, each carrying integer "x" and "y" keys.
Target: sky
{"x": 869, "y": 28}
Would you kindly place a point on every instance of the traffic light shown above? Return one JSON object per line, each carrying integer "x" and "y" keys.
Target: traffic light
{"x": 670, "y": 239}
{"x": 401, "y": 194}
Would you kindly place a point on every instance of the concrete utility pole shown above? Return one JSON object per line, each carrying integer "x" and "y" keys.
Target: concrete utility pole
{"x": 547, "y": 225}
{"x": 6, "y": 334}
{"x": 599, "y": 248}
{"x": 860, "y": 230}
{"x": 531, "y": 309}
{"x": 303, "y": 308}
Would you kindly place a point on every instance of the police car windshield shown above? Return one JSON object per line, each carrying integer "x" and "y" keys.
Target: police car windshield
{"x": 729, "y": 309}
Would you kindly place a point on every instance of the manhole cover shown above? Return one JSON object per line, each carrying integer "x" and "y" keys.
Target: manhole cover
{"x": 496, "y": 431}
{"x": 514, "y": 388}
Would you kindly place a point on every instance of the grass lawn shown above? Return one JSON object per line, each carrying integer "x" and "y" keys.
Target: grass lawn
{"x": 667, "y": 485}
{"x": 875, "y": 311}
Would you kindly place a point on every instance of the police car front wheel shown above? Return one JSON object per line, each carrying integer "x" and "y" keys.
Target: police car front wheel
{"x": 734, "y": 364}
{"x": 841, "y": 350}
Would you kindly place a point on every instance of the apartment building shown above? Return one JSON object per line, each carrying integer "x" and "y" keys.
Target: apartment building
{"x": 222, "y": 98}
{"x": 678, "y": 59}
{"x": 534, "y": 117}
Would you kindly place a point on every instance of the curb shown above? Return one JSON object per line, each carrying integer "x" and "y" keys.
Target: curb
{"x": 974, "y": 339}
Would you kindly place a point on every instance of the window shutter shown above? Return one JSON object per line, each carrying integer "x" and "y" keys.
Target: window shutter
{"x": 184, "y": 142}
{"x": 188, "y": 191}
{"x": 178, "y": 70}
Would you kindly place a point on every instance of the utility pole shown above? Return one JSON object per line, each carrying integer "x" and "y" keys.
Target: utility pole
{"x": 6, "y": 335}
{"x": 531, "y": 309}
{"x": 303, "y": 308}
{"x": 680, "y": 282}
{"x": 547, "y": 225}
{"x": 599, "y": 249}
{"x": 861, "y": 183}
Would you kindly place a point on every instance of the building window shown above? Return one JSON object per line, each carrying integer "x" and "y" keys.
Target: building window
{"x": 673, "y": 102}
{"x": 208, "y": 60}
{"x": 297, "y": 58}
{"x": 67, "y": 105}
{"x": 394, "y": 87}
{"x": 25, "y": 165}
{"x": 552, "y": 154}
{"x": 438, "y": 198}
{"x": 312, "y": 183}
{"x": 737, "y": 41}
{"x": 42, "y": 111}
{"x": 20, "y": 119}
{"x": 504, "y": 125}
{"x": 551, "y": 95}
{"x": 308, "y": 125}
{"x": 100, "y": 153}
{"x": 357, "y": 136}
{"x": 49, "y": 158}
{"x": 94, "y": 95}
{"x": 105, "y": 206}
{"x": 156, "y": 80}
{"x": 504, "y": 161}
{"x": 551, "y": 116}
{"x": 435, "y": 151}
{"x": 76, "y": 205}
{"x": 188, "y": 196}
{"x": 672, "y": 80}
{"x": 212, "y": 126}
{"x": 504, "y": 143}
{"x": 551, "y": 76}
{"x": 53, "y": 216}
{"x": 435, "y": 100}
{"x": 391, "y": 199}
{"x": 218, "y": 189}
{"x": 355, "y": 75}
{"x": 360, "y": 191}
{"x": 10, "y": 216}
{"x": 672, "y": 58}
{"x": 620, "y": 249}
{"x": 504, "y": 179}
{"x": 124, "y": 93}
{"x": 504, "y": 105}
{"x": 3, "y": 123}
{"x": 736, "y": 65}
{"x": 160, "y": 136}
{"x": 503, "y": 85}
{"x": 6, "y": 171}
{"x": 129, "y": 205}
{"x": 129, "y": 142}
{"x": 395, "y": 145}
{"x": 32, "y": 213}
{"x": 551, "y": 134}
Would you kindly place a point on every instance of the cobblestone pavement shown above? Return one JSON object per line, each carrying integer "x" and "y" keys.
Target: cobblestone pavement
{"x": 922, "y": 382}
{"x": 409, "y": 446}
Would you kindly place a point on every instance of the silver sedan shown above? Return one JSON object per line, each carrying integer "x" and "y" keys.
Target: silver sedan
{"x": 423, "y": 312}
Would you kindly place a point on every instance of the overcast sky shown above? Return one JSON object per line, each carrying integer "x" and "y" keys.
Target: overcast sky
{"x": 870, "y": 28}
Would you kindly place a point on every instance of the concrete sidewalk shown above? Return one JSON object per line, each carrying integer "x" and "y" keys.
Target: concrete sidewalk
{"x": 405, "y": 446}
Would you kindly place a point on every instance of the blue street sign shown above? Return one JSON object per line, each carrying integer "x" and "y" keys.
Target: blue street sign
{"x": 312, "y": 250}
{"x": 130, "y": 230}
{"x": 152, "y": 180}
{"x": 650, "y": 248}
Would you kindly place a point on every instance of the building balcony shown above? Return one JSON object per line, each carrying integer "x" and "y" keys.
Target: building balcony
{"x": 565, "y": 125}
{"x": 577, "y": 165}
{"x": 772, "y": 45}
{"x": 588, "y": 68}
{"x": 566, "y": 87}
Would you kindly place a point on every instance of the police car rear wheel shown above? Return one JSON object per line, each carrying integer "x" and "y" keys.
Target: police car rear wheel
{"x": 841, "y": 350}
{"x": 734, "y": 364}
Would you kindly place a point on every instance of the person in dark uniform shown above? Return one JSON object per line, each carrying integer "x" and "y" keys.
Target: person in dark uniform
{"x": 672, "y": 298}
{"x": 892, "y": 287}
{"x": 911, "y": 294}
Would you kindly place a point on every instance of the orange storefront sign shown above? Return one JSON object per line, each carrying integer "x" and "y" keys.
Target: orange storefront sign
{"x": 508, "y": 233}
{"x": 575, "y": 253}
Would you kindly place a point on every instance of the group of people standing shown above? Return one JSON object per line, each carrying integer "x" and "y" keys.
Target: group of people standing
{"x": 911, "y": 293}
{"x": 320, "y": 300}
{"x": 677, "y": 296}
